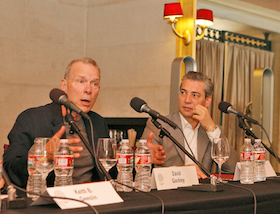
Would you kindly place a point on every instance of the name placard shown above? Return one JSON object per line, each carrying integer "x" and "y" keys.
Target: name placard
{"x": 173, "y": 177}
{"x": 97, "y": 193}
{"x": 269, "y": 171}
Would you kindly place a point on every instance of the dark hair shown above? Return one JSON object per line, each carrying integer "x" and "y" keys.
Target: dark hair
{"x": 198, "y": 76}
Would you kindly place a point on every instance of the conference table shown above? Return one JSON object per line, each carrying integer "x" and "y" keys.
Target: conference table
{"x": 232, "y": 199}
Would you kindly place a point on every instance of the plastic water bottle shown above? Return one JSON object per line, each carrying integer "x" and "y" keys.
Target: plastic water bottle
{"x": 35, "y": 183}
{"x": 259, "y": 160}
{"x": 125, "y": 166}
{"x": 143, "y": 167}
{"x": 247, "y": 162}
{"x": 64, "y": 164}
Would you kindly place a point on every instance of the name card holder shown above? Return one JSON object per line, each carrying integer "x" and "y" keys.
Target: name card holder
{"x": 173, "y": 177}
{"x": 96, "y": 193}
{"x": 269, "y": 171}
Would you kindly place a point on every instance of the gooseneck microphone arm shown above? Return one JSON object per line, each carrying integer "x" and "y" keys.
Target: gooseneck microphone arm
{"x": 69, "y": 118}
{"x": 140, "y": 106}
{"x": 245, "y": 128}
{"x": 227, "y": 108}
{"x": 60, "y": 97}
{"x": 164, "y": 132}
{"x": 250, "y": 133}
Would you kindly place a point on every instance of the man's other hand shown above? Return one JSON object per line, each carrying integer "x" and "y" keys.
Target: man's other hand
{"x": 76, "y": 149}
{"x": 158, "y": 154}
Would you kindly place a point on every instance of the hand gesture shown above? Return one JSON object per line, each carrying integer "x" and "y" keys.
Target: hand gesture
{"x": 202, "y": 114}
{"x": 157, "y": 152}
{"x": 76, "y": 149}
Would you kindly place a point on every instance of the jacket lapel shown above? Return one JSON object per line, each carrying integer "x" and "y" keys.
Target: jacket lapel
{"x": 177, "y": 134}
{"x": 56, "y": 118}
{"x": 202, "y": 143}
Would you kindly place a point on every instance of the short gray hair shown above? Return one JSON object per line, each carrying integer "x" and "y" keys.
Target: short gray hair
{"x": 85, "y": 60}
{"x": 198, "y": 76}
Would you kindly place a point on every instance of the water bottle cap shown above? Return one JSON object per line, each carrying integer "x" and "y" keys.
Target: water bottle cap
{"x": 258, "y": 140}
{"x": 247, "y": 140}
{"x": 63, "y": 140}
{"x": 125, "y": 141}
{"x": 143, "y": 141}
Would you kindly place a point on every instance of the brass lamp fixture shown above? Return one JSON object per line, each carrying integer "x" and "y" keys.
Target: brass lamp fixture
{"x": 204, "y": 19}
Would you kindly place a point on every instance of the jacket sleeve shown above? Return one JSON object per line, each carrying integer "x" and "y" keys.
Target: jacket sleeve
{"x": 229, "y": 165}
{"x": 15, "y": 157}
{"x": 150, "y": 127}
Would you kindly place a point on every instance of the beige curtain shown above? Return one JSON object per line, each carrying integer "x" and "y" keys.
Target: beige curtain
{"x": 240, "y": 63}
{"x": 210, "y": 61}
{"x": 231, "y": 67}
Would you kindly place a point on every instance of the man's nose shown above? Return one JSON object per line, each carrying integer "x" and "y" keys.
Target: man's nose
{"x": 188, "y": 99}
{"x": 88, "y": 88}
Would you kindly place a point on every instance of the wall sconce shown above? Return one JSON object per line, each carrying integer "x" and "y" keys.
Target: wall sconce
{"x": 204, "y": 18}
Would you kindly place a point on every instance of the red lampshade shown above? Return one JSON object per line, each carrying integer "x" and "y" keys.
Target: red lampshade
{"x": 204, "y": 17}
{"x": 172, "y": 10}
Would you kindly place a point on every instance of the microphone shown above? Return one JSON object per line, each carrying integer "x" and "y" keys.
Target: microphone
{"x": 60, "y": 97}
{"x": 140, "y": 106}
{"x": 227, "y": 108}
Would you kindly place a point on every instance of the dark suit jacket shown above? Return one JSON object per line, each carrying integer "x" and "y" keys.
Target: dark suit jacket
{"x": 175, "y": 157}
{"x": 43, "y": 121}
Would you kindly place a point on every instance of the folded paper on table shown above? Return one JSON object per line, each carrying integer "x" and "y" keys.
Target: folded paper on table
{"x": 173, "y": 177}
{"x": 269, "y": 171}
{"x": 96, "y": 193}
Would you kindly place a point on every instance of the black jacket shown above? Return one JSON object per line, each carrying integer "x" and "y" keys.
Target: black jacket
{"x": 43, "y": 121}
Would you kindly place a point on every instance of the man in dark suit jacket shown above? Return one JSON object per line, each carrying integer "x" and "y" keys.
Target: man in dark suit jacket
{"x": 194, "y": 119}
{"x": 81, "y": 83}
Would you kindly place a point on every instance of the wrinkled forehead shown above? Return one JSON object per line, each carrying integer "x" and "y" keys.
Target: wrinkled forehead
{"x": 84, "y": 70}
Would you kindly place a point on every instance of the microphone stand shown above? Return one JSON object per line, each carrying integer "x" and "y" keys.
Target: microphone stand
{"x": 13, "y": 202}
{"x": 213, "y": 186}
{"x": 250, "y": 133}
{"x": 69, "y": 118}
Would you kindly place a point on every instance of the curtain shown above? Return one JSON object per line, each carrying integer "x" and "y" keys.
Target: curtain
{"x": 210, "y": 61}
{"x": 230, "y": 67}
{"x": 240, "y": 64}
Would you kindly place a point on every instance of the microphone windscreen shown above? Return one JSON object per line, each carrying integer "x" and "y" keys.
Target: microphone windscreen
{"x": 136, "y": 104}
{"x": 223, "y": 106}
{"x": 55, "y": 94}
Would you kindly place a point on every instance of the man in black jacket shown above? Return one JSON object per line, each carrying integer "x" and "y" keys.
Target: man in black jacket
{"x": 82, "y": 84}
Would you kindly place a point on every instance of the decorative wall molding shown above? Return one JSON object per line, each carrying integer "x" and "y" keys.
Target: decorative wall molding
{"x": 244, "y": 13}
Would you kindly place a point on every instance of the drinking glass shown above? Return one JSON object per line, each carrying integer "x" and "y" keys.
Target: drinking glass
{"x": 220, "y": 151}
{"x": 106, "y": 152}
{"x": 44, "y": 163}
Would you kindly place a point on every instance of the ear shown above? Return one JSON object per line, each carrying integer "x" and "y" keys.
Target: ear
{"x": 63, "y": 85}
{"x": 208, "y": 101}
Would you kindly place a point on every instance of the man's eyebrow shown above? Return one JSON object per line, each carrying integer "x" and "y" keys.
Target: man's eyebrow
{"x": 193, "y": 92}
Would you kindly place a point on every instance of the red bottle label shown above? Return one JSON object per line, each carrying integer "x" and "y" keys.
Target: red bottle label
{"x": 246, "y": 156}
{"x": 124, "y": 158}
{"x": 64, "y": 161}
{"x": 143, "y": 159}
{"x": 32, "y": 159}
{"x": 259, "y": 155}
